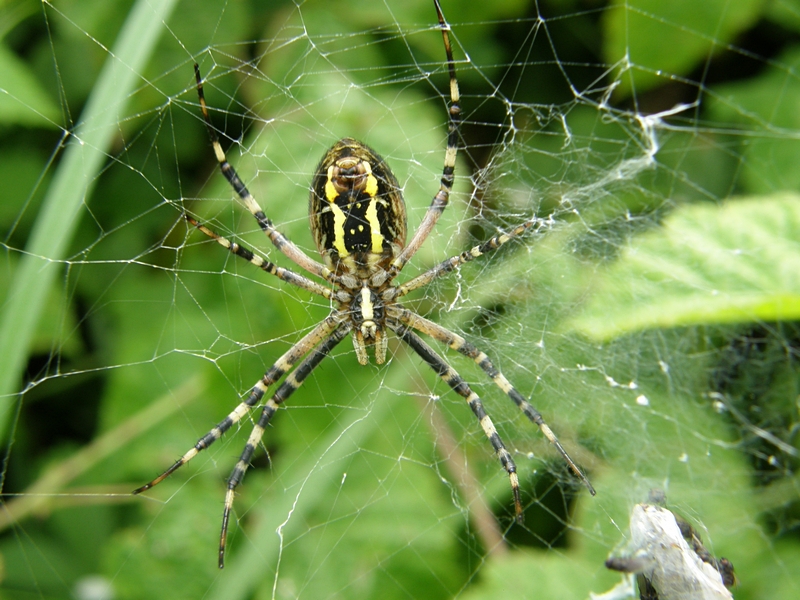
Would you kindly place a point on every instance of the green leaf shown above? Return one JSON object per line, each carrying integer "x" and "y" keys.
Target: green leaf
{"x": 687, "y": 33}
{"x": 534, "y": 574}
{"x": 761, "y": 104}
{"x": 22, "y": 100}
{"x": 732, "y": 263}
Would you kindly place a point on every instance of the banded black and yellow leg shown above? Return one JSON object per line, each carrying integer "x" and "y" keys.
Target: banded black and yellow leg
{"x": 454, "y": 380}
{"x": 459, "y": 344}
{"x": 273, "y": 374}
{"x": 290, "y": 385}
{"x": 452, "y": 263}
{"x": 286, "y": 275}
{"x": 442, "y": 197}
{"x": 280, "y": 241}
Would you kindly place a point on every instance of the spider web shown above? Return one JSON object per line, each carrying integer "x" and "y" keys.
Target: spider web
{"x": 649, "y": 315}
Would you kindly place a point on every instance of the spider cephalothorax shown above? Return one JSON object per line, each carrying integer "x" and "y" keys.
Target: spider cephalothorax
{"x": 358, "y": 221}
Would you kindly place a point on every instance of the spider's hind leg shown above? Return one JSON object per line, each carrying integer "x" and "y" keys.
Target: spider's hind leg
{"x": 280, "y": 241}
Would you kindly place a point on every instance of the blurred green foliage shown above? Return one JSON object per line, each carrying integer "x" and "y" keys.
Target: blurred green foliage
{"x": 650, "y": 320}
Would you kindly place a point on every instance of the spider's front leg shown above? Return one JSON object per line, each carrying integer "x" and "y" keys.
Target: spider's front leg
{"x": 290, "y": 385}
{"x": 454, "y": 380}
{"x": 459, "y": 344}
{"x": 272, "y": 375}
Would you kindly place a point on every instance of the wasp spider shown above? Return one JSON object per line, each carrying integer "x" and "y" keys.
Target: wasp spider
{"x": 358, "y": 221}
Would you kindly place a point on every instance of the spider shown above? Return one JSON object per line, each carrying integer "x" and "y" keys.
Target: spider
{"x": 358, "y": 222}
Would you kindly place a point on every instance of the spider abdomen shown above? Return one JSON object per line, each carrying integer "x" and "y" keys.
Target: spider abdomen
{"x": 356, "y": 209}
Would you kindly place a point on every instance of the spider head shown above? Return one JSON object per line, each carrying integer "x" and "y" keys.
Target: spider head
{"x": 368, "y": 315}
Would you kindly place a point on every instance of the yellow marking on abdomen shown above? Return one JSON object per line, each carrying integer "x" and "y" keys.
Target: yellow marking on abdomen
{"x": 376, "y": 235}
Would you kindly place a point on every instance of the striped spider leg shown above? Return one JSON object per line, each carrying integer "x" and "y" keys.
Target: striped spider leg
{"x": 286, "y": 389}
{"x": 459, "y": 344}
{"x": 452, "y": 263}
{"x": 442, "y": 197}
{"x": 280, "y": 241}
{"x": 317, "y": 344}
